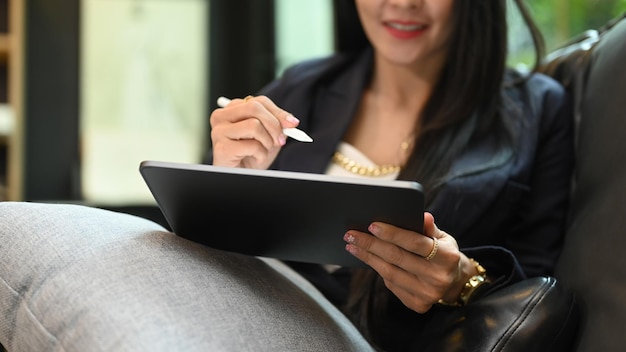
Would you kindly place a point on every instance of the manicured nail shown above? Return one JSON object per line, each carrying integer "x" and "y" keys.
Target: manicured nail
{"x": 292, "y": 119}
{"x": 374, "y": 229}
{"x": 349, "y": 238}
{"x": 351, "y": 249}
{"x": 282, "y": 139}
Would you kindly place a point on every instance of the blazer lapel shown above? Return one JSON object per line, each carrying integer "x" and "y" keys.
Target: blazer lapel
{"x": 333, "y": 107}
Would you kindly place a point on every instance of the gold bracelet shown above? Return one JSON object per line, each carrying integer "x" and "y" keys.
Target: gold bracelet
{"x": 470, "y": 287}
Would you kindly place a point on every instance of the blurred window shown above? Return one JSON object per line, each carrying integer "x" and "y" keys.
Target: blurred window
{"x": 559, "y": 21}
{"x": 304, "y": 29}
{"x": 143, "y": 87}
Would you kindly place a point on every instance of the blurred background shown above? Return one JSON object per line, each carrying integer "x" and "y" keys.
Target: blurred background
{"x": 90, "y": 88}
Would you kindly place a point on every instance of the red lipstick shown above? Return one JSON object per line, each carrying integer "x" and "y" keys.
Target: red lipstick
{"x": 404, "y": 30}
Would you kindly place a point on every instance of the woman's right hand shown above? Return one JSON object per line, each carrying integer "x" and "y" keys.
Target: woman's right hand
{"x": 249, "y": 132}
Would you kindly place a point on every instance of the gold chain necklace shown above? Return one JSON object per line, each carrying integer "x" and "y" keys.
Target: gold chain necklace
{"x": 370, "y": 171}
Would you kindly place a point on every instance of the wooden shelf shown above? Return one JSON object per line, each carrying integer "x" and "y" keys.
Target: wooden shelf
{"x": 4, "y": 47}
{"x": 12, "y": 57}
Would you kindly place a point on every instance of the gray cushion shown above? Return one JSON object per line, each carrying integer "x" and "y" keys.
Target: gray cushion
{"x": 594, "y": 260}
{"x": 74, "y": 278}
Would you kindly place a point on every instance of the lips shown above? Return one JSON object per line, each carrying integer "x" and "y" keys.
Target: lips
{"x": 405, "y": 30}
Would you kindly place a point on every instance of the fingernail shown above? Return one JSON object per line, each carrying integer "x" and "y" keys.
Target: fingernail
{"x": 352, "y": 249}
{"x": 282, "y": 139}
{"x": 349, "y": 238}
{"x": 292, "y": 119}
{"x": 374, "y": 229}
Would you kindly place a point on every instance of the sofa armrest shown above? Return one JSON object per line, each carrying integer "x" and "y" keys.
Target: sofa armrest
{"x": 593, "y": 262}
{"x": 76, "y": 278}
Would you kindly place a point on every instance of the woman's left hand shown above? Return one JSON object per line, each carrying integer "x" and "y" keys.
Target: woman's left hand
{"x": 401, "y": 258}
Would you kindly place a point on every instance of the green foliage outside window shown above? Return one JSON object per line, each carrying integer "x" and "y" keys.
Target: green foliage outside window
{"x": 561, "y": 20}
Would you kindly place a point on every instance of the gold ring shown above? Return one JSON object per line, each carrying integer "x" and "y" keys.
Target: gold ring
{"x": 433, "y": 252}
{"x": 245, "y": 100}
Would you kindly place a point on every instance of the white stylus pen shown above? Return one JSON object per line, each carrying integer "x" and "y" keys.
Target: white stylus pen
{"x": 290, "y": 132}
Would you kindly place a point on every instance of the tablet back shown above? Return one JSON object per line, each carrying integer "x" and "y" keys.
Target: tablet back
{"x": 284, "y": 215}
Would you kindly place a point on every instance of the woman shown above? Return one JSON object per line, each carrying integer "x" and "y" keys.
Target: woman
{"x": 429, "y": 95}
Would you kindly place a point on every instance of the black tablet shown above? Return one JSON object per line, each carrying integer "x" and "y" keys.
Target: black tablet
{"x": 285, "y": 215}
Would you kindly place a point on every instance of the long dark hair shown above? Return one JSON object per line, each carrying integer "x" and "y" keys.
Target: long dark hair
{"x": 467, "y": 103}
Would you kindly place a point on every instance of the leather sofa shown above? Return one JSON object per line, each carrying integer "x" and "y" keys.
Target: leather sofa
{"x": 593, "y": 263}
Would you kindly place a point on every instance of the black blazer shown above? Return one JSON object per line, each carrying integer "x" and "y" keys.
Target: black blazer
{"x": 495, "y": 202}
{"x": 506, "y": 207}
